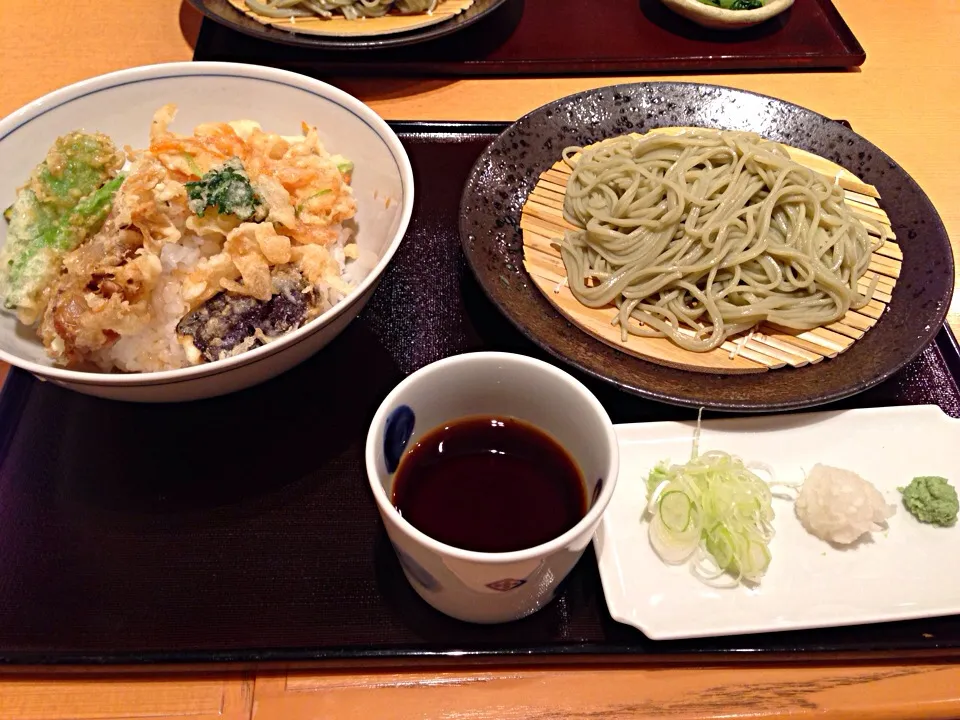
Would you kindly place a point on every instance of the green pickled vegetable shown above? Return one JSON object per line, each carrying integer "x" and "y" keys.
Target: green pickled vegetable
{"x": 65, "y": 201}
{"x": 735, "y": 4}
{"x": 931, "y": 500}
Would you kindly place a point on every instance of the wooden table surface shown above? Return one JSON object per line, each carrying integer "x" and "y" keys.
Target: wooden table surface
{"x": 906, "y": 99}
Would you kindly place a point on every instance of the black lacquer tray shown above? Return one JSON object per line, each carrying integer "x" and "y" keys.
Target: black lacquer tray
{"x": 543, "y": 37}
{"x": 241, "y": 529}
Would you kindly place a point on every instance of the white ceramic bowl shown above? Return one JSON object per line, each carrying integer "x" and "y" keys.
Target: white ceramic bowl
{"x": 720, "y": 19}
{"x": 478, "y": 586}
{"x": 121, "y": 104}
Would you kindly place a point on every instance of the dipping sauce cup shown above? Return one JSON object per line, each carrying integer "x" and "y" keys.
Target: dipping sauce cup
{"x": 491, "y": 587}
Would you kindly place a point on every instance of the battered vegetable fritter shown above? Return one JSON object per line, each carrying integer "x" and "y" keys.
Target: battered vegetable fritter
{"x": 64, "y": 202}
{"x": 229, "y": 323}
{"x": 208, "y": 244}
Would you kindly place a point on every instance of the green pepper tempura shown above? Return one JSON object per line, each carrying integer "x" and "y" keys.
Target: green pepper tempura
{"x": 65, "y": 201}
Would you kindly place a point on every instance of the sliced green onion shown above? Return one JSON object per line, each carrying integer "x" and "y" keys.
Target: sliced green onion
{"x": 721, "y": 544}
{"x": 714, "y": 511}
{"x": 675, "y": 509}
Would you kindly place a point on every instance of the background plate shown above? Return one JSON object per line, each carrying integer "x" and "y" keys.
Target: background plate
{"x": 223, "y": 12}
{"x": 897, "y": 574}
{"x": 509, "y": 168}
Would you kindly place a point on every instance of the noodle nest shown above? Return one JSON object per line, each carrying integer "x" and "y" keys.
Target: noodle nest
{"x": 350, "y": 9}
{"x": 700, "y": 236}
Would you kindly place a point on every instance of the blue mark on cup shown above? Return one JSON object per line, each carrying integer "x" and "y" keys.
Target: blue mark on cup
{"x": 396, "y": 435}
{"x": 416, "y": 571}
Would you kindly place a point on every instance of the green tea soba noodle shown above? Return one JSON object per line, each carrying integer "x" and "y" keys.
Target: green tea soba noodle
{"x": 350, "y": 9}
{"x": 700, "y": 236}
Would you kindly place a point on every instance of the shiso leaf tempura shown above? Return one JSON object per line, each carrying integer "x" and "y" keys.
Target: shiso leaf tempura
{"x": 713, "y": 511}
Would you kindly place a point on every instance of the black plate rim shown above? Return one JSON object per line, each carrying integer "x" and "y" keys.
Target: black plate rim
{"x": 373, "y": 42}
{"x": 928, "y": 335}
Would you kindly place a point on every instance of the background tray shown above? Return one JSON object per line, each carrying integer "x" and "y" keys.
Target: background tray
{"x": 536, "y": 37}
{"x": 241, "y": 529}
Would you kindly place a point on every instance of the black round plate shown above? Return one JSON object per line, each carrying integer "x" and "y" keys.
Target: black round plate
{"x": 224, "y": 13}
{"x": 506, "y": 172}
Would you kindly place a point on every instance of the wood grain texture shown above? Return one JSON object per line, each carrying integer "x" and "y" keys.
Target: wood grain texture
{"x": 876, "y": 692}
{"x": 210, "y": 697}
{"x": 545, "y": 694}
{"x": 911, "y": 46}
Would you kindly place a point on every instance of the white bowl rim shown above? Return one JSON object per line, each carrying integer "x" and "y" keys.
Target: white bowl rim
{"x": 494, "y": 558}
{"x": 161, "y": 71}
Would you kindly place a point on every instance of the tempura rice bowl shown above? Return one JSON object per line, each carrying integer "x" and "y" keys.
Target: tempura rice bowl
{"x": 121, "y": 105}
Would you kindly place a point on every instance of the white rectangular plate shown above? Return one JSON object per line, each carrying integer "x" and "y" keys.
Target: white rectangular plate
{"x": 907, "y": 571}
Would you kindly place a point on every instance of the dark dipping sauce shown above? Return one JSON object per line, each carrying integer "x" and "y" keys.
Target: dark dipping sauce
{"x": 490, "y": 485}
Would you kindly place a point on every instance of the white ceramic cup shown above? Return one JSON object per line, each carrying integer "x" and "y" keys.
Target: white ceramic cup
{"x": 486, "y": 587}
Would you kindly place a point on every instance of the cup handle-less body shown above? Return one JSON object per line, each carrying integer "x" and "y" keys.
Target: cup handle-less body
{"x": 491, "y": 587}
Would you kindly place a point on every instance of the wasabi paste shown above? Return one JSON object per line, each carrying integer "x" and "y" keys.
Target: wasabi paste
{"x": 931, "y": 500}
